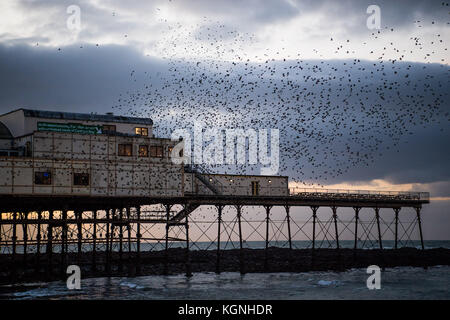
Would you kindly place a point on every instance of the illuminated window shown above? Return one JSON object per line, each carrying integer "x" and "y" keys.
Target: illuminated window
{"x": 169, "y": 151}
{"x": 156, "y": 151}
{"x": 43, "y": 177}
{"x": 255, "y": 188}
{"x": 125, "y": 150}
{"x": 141, "y": 131}
{"x": 80, "y": 179}
{"x": 143, "y": 151}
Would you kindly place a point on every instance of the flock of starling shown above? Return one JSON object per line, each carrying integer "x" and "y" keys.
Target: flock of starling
{"x": 333, "y": 114}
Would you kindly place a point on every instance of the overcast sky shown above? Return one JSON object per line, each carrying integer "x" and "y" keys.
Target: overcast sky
{"x": 45, "y": 64}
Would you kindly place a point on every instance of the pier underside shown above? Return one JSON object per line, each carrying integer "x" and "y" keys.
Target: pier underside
{"x": 118, "y": 234}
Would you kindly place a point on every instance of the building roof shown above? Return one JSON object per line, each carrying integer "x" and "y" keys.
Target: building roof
{"x": 84, "y": 116}
{"x": 4, "y": 132}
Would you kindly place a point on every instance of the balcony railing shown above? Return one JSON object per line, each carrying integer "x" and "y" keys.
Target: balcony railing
{"x": 358, "y": 194}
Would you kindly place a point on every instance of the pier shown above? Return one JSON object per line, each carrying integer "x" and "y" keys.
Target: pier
{"x": 107, "y": 235}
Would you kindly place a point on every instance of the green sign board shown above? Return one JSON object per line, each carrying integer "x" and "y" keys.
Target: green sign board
{"x": 69, "y": 127}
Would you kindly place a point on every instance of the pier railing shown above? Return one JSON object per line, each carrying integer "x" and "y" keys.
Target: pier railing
{"x": 323, "y": 193}
{"x": 369, "y": 194}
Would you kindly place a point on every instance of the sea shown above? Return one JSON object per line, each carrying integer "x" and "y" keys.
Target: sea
{"x": 395, "y": 283}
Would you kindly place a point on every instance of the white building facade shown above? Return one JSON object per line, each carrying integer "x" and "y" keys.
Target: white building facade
{"x": 73, "y": 154}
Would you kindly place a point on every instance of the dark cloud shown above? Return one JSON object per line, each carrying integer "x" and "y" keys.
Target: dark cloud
{"x": 87, "y": 79}
{"x": 91, "y": 79}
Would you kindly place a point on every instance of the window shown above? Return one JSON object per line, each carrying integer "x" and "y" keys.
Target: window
{"x": 80, "y": 179}
{"x": 255, "y": 188}
{"x": 143, "y": 151}
{"x": 169, "y": 151}
{"x": 28, "y": 150}
{"x": 156, "y": 151}
{"x": 108, "y": 127}
{"x": 141, "y": 131}
{"x": 44, "y": 177}
{"x": 125, "y": 150}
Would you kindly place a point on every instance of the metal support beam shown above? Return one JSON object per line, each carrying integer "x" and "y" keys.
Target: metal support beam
{"x": 14, "y": 242}
{"x": 130, "y": 261}
{"x": 108, "y": 249}
{"x": 79, "y": 217}
{"x": 112, "y": 233}
{"x": 266, "y": 255}
{"x": 377, "y": 216}
{"x": 241, "y": 248}
{"x": 64, "y": 242}
{"x": 120, "y": 240}
{"x": 188, "y": 257}
{"x": 396, "y": 210}
{"x": 49, "y": 247}
{"x": 25, "y": 237}
{"x": 166, "y": 253}
{"x": 314, "y": 210}
{"x": 138, "y": 243}
{"x": 38, "y": 241}
{"x": 334, "y": 209}
{"x": 419, "y": 221}
{"x": 288, "y": 221}
{"x": 357, "y": 209}
{"x": 128, "y": 230}
{"x": 219, "y": 224}
{"x": 94, "y": 241}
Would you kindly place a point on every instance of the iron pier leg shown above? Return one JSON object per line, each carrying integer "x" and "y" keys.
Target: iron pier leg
{"x": 288, "y": 220}
{"x": 111, "y": 236}
{"x": 396, "y": 210}
{"x": 120, "y": 240}
{"x": 138, "y": 244}
{"x": 130, "y": 261}
{"x": 94, "y": 241}
{"x": 188, "y": 257}
{"x": 38, "y": 241}
{"x": 25, "y": 237}
{"x": 420, "y": 226}
{"x": 377, "y": 216}
{"x": 79, "y": 216}
{"x": 355, "y": 246}
{"x": 266, "y": 255}
{"x": 64, "y": 243}
{"x": 166, "y": 253}
{"x": 334, "y": 209}
{"x": 241, "y": 248}
{"x": 314, "y": 210}
{"x": 219, "y": 223}
{"x": 14, "y": 242}
{"x": 49, "y": 247}
{"x": 128, "y": 230}
{"x": 108, "y": 251}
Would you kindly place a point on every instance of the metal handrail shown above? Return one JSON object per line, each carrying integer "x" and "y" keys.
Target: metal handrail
{"x": 295, "y": 191}
{"x": 205, "y": 172}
